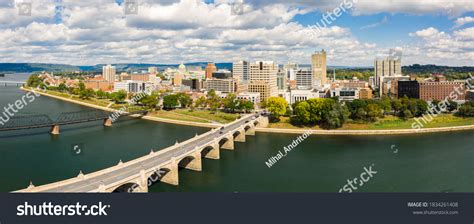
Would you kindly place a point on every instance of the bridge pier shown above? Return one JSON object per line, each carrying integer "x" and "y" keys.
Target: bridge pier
{"x": 241, "y": 136}
{"x": 250, "y": 131}
{"x": 55, "y": 129}
{"x": 108, "y": 122}
{"x": 229, "y": 144}
{"x": 171, "y": 177}
{"x": 195, "y": 163}
{"x": 214, "y": 153}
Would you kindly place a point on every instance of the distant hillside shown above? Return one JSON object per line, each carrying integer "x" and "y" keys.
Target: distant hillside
{"x": 422, "y": 69}
{"x": 34, "y": 67}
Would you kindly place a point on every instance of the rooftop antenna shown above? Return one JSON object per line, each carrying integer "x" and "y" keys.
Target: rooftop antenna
{"x": 334, "y": 74}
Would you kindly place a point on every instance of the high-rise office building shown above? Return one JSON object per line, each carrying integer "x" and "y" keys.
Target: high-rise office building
{"x": 241, "y": 69}
{"x": 108, "y": 73}
{"x": 304, "y": 79}
{"x": 282, "y": 80}
{"x": 263, "y": 79}
{"x": 318, "y": 65}
{"x": 387, "y": 66}
{"x": 210, "y": 68}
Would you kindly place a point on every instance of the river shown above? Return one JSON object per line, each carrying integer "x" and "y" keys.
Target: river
{"x": 418, "y": 163}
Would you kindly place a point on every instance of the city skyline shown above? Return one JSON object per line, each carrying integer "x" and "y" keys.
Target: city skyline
{"x": 62, "y": 32}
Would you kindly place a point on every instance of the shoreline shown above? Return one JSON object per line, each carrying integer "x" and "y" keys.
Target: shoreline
{"x": 279, "y": 130}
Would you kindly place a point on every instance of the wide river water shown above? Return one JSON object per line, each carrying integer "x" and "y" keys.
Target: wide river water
{"x": 417, "y": 163}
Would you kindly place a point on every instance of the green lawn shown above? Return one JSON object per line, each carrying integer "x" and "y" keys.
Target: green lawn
{"x": 202, "y": 116}
{"x": 389, "y": 122}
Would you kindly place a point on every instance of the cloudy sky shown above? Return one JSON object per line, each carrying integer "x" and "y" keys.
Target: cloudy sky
{"x": 88, "y": 32}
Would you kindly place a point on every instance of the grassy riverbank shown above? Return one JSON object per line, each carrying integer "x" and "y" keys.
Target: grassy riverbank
{"x": 200, "y": 116}
{"x": 387, "y": 123}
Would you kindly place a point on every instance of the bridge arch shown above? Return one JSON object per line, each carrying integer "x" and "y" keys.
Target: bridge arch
{"x": 206, "y": 150}
{"x": 126, "y": 188}
{"x": 184, "y": 162}
{"x": 157, "y": 175}
{"x": 256, "y": 123}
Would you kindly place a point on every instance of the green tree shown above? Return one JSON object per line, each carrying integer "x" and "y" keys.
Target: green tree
{"x": 170, "y": 101}
{"x": 86, "y": 94}
{"x": 277, "y": 106}
{"x": 302, "y": 112}
{"x": 373, "y": 112}
{"x": 150, "y": 101}
{"x": 34, "y": 81}
{"x": 452, "y": 106}
{"x": 101, "y": 94}
{"x": 201, "y": 102}
{"x": 118, "y": 97}
{"x": 62, "y": 87}
{"x": 246, "y": 105}
{"x": 230, "y": 102}
{"x": 184, "y": 100}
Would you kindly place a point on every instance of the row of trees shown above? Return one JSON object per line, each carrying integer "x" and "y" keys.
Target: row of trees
{"x": 211, "y": 100}
{"x": 330, "y": 113}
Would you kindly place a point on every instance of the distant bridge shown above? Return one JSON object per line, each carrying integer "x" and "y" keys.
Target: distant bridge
{"x": 13, "y": 83}
{"x": 163, "y": 165}
{"x": 66, "y": 118}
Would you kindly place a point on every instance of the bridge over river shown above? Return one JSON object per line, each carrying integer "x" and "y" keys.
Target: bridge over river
{"x": 163, "y": 165}
{"x": 65, "y": 118}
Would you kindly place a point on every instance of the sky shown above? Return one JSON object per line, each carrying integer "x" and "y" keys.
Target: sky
{"x": 352, "y": 32}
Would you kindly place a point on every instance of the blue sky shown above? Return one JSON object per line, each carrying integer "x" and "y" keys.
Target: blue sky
{"x": 174, "y": 31}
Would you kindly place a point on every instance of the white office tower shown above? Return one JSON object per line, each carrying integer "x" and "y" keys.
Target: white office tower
{"x": 241, "y": 69}
{"x": 108, "y": 73}
{"x": 388, "y": 66}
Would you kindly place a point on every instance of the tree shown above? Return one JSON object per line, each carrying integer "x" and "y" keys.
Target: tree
{"x": 118, "y": 97}
{"x": 170, "y": 101}
{"x": 184, "y": 99}
{"x": 34, "y": 81}
{"x": 452, "y": 106}
{"x": 302, "y": 112}
{"x": 150, "y": 101}
{"x": 277, "y": 106}
{"x": 373, "y": 112}
{"x": 82, "y": 86}
{"x": 101, "y": 94}
{"x": 230, "y": 102}
{"x": 213, "y": 100}
{"x": 86, "y": 94}
{"x": 201, "y": 102}
{"x": 62, "y": 87}
{"x": 246, "y": 105}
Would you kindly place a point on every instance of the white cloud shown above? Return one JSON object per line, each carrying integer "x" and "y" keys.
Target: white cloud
{"x": 462, "y": 21}
{"x": 171, "y": 31}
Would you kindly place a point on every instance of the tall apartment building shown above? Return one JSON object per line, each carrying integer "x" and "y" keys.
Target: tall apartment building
{"x": 388, "y": 66}
{"x": 318, "y": 65}
{"x": 263, "y": 79}
{"x": 241, "y": 69}
{"x": 304, "y": 79}
{"x": 210, "y": 68}
{"x": 108, "y": 73}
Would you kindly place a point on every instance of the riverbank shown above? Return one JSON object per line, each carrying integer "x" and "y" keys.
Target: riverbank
{"x": 277, "y": 129}
{"x": 151, "y": 118}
